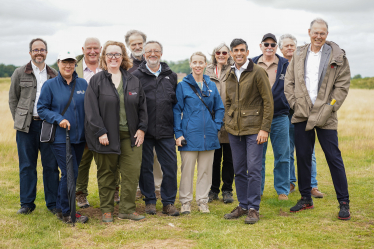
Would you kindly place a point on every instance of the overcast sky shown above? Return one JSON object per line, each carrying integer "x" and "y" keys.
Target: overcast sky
{"x": 183, "y": 27}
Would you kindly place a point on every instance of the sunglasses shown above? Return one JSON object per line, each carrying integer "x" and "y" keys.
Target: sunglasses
{"x": 266, "y": 44}
{"x": 218, "y": 53}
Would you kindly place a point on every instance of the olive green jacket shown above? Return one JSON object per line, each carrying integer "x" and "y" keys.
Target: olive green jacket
{"x": 79, "y": 67}
{"x": 223, "y": 136}
{"x": 249, "y": 102}
{"x": 334, "y": 81}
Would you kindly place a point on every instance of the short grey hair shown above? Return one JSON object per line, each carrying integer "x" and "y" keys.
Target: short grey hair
{"x": 38, "y": 39}
{"x": 319, "y": 20}
{"x": 149, "y": 42}
{"x": 230, "y": 60}
{"x": 285, "y": 36}
{"x": 91, "y": 39}
{"x": 134, "y": 32}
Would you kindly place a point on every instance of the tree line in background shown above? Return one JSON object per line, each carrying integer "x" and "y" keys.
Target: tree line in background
{"x": 182, "y": 66}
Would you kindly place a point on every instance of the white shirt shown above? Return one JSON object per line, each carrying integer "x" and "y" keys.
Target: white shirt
{"x": 311, "y": 73}
{"x": 87, "y": 73}
{"x": 238, "y": 72}
{"x": 41, "y": 77}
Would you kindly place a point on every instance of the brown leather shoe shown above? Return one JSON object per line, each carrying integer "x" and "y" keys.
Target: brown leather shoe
{"x": 253, "y": 216}
{"x": 170, "y": 210}
{"x": 292, "y": 188}
{"x": 236, "y": 213}
{"x": 150, "y": 208}
{"x": 283, "y": 197}
{"x": 316, "y": 194}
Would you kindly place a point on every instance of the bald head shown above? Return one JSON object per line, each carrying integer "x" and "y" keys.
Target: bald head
{"x": 91, "y": 50}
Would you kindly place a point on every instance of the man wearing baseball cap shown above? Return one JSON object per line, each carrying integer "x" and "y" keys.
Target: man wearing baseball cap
{"x": 24, "y": 92}
{"x": 276, "y": 67}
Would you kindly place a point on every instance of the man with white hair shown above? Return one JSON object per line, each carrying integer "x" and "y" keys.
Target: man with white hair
{"x": 87, "y": 66}
{"x": 135, "y": 41}
{"x": 276, "y": 67}
{"x": 316, "y": 85}
{"x": 287, "y": 45}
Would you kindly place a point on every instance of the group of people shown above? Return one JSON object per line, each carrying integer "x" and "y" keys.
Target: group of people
{"x": 128, "y": 112}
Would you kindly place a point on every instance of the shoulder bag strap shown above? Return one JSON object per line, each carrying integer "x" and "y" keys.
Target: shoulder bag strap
{"x": 198, "y": 95}
{"x": 71, "y": 97}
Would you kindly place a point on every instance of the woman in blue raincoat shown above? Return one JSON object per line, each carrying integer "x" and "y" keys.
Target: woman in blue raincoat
{"x": 198, "y": 117}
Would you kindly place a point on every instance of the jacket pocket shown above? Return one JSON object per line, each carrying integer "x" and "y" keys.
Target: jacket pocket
{"x": 229, "y": 117}
{"x": 20, "y": 118}
{"x": 324, "y": 114}
{"x": 26, "y": 88}
{"x": 250, "y": 118}
{"x": 301, "y": 109}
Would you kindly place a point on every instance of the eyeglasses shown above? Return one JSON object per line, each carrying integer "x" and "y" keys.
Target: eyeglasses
{"x": 68, "y": 63}
{"x": 266, "y": 44}
{"x": 219, "y": 52}
{"x": 318, "y": 34}
{"x": 36, "y": 51}
{"x": 153, "y": 51}
{"x": 110, "y": 55}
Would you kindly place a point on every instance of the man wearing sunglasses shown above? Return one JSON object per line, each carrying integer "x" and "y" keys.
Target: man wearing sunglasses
{"x": 316, "y": 85}
{"x": 276, "y": 67}
{"x": 24, "y": 92}
{"x": 159, "y": 84}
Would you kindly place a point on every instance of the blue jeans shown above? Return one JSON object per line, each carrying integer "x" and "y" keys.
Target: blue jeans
{"x": 280, "y": 141}
{"x": 59, "y": 150}
{"x": 28, "y": 145}
{"x": 167, "y": 156}
{"x": 314, "y": 182}
{"x": 246, "y": 158}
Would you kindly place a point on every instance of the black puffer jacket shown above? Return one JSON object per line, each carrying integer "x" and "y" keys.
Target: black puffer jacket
{"x": 102, "y": 106}
{"x": 160, "y": 93}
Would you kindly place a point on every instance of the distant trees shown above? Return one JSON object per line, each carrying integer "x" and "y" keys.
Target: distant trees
{"x": 6, "y": 70}
{"x": 182, "y": 66}
{"x": 357, "y": 76}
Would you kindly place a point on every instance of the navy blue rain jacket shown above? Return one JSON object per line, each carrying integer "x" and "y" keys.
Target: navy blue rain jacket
{"x": 53, "y": 98}
{"x": 197, "y": 125}
{"x": 281, "y": 106}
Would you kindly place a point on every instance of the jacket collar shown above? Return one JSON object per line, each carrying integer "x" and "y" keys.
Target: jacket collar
{"x": 164, "y": 68}
{"x": 124, "y": 73}
{"x": 29, "y": 70}
{"x": 248, "y": 69}
{"x": 210, "y": 70}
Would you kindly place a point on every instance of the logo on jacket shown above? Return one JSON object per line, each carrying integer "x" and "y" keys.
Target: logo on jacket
{"x": 167, "y": 77}
{"x": 81, "y": 92}
{"x": 133, "y": 93}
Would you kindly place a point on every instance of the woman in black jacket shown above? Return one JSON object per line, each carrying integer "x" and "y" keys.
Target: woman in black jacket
{"x": 116, "y": 121}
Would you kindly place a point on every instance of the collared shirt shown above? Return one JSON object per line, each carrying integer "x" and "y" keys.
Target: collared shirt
{"x": 311, "y": 73}
{"x": 238, "y": 72}
{"x": 155, "y": 73}
{"x": 271, "y": 69}
{"x": 87, "y": 73}
{"x": 41, "y": 77}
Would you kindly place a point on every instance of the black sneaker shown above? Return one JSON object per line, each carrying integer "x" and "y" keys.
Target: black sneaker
{"x": 212, "y": 196}
{"x": 344, "y": 213}
{"x": 227, "y": 197}
{"x": 24, "y": 210}
{"x": 302, "y": 204}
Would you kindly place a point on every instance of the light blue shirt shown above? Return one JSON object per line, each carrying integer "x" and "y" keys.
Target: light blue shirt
{"x": 155, "y": 73}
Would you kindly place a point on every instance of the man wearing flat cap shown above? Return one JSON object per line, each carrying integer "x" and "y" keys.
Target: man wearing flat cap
{"x": 276, "y": 67}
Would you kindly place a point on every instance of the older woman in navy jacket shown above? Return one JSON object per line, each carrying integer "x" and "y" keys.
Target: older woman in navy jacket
{"x": 199, "y": 128}
{"x": 53, "y": 98}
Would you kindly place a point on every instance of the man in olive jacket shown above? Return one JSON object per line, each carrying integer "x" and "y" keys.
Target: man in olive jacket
{"x": 24, "y": 92}
{"x": 316, "y": 85}
{"x": 249, "y": 112}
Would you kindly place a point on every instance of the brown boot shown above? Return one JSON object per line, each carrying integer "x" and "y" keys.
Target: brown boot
{"x": 316, "y": 194}
{"x": 292, "y": 188}
{"x": 150, "y": 208}
{"x": 253, "y": 216}
{"x": 236, "y": 213}
{"x": 170, "y": 210}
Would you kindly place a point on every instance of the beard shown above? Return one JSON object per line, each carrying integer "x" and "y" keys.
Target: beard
{"x": 38, "y": 62}
{"x": 137, "y": 53}
{"x": 153, "y": 63}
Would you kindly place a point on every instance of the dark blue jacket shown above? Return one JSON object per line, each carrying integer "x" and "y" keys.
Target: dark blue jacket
{"x": 53, "y": 98}
{"x": 197, "y": 125}
{"x": 281, "y": 106}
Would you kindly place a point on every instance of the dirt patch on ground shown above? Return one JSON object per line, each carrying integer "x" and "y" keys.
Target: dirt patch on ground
{"x": 167, "y": 243}
{"x": 283, "y": 213}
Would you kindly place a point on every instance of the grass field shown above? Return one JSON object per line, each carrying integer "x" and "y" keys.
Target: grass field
{"x": 317, "y": 228}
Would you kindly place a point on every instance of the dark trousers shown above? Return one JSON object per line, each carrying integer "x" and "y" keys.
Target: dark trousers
{"x": 247, "y": 161}
{"x": 223, "y": 155}
{"x": 59, "y": 150}
{"x": 167, "y": 156}
{"x": 28, "y": 145}
{"x": 304, "y": 142}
